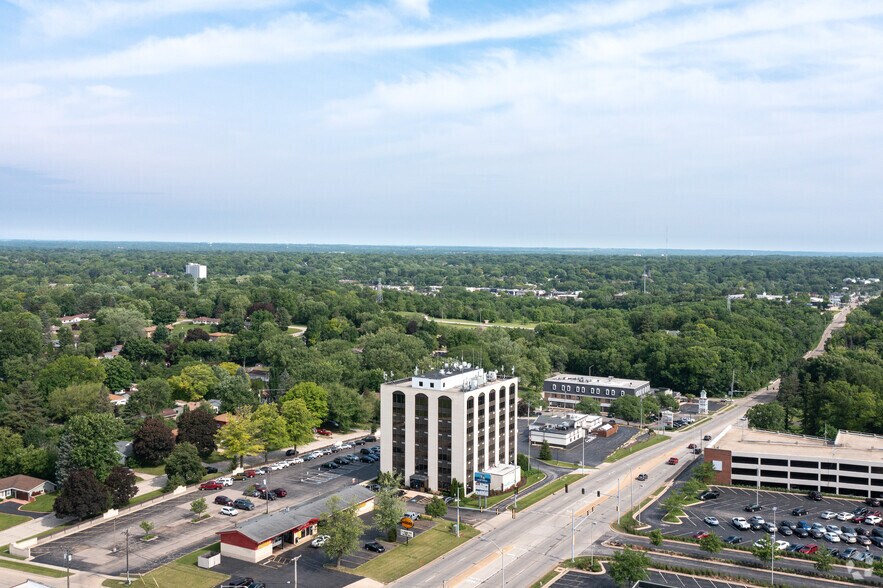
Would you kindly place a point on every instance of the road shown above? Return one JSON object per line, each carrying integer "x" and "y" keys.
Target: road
{"x": 837, "y": 323}
{"x": 541, "y": 536}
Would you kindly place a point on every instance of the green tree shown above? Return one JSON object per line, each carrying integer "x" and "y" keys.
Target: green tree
{"x": 236, "y": 438}
{"x": 197, "y": 507}
{"x": 152, "y": 441}
{"x": 704, "y": 473}
{"x": 124, "y": 324}
{"x": 121, "y": 484}
{"x": 344, "y": 528}
{"x": 315, "y": 396}
{"x": 234, "y": 390}
{"x": 456, "y": 490}
{"x": 627, "y": 408}
{"x": 153, "y": 395}
{"x": 764, "y": 550}
{"x": 878, "y": 567}
{"x": 390, "y": 479}
{"x": 22, "y": 409}
{"x": 194, "y": 382}
{"x": 588, "y": 405}
{"x": 68, "y": 370}
{"x": 629, "y": 566}
{"x": 147, "y": 527}
{"x": 436, "y": 507}
{"x": 88, "y": 443}
{"x": 388, "y": 511}
{"x": 345, "y": 406}
{"x": 711, "y": 544}
{"x": 824, "y": 561}
{"x": 82, "y": 496}
{"x": 545, "y": 451}
{"x": 769, "y": 417}
{"x": 138, "y": 350}
{"x": 199, "y": 428}
{"x": 119, "y": 373}
{"x": 183, "y": 465}
{"x": 299, "y": 420}
{"x": 656, "y": 537}
{"x": 269, "y": 428}
{"x": 78, "y": 399}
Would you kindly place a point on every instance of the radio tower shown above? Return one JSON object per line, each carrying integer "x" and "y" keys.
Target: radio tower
{"x": 379, "y": 292}
{"x": 644, "y": 277}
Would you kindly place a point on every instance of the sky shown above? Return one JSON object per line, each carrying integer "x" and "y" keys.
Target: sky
{"x": 652, "y": 123}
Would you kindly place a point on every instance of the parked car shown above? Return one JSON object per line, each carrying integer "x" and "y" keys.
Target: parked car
{"x": 223, "y": 500}
{"x": 872, "y": 501}
{"x": 844, "y": 516}
{"x": 375, "y": 547}
{"x": 786, "y": 531}
{"x": 798, "y": 512}
{"x": 873, "y": 520}
{"x": 801, "y": 533}
{"x": 371, "y": 439}
{"x": 330, "y": 465}
{"x": 323, "y": 432}
{"x": 373, "y": 487}
{"x": 250, "y": 473}
{"x": 239, "y": 477}
{"x": 341, "y": 461}
{"x": 229, "y": 511}
{"x": 701, "y": 534}
{"x": 213, "y": 485}
{"x": 642, "y": 477}
{"x": 769, "y": 527}
{"x": 710, "y": 495}
{"x": 276, "y": 466}
{"x": 280, "y": 492}
{"x": 809, "y": 548}
{"x": 740, "y": 523}
{"x": 238, "y": 582}
{"x": 411, "y": 515}
{"x": 803, "y": 525}
{"x": 225, "y": 481}
{"x": 369, "y": 459}
{"x": 733, "y": 540}
{"x": 711, "y": 521}
{"x": 267, "y": 495}
{"x": 832, "y": 537}
{"x": 814, "y": 495}
{"x": 243, "y": 504}
{"x": 211, "y": 470}
{"x": 827, "y": 515}
{"x": 290, "y": 452}
{"x": 753, "y": 507}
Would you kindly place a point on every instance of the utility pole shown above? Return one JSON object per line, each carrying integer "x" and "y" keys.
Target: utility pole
{"x": 128, "y": 579}
{"x": 458, "y": 511}
{"x": 295, "y": 570}
{"x": 67, "y": 565}
{"x": 572, "y": 537}
{"x": 773, "y": 551}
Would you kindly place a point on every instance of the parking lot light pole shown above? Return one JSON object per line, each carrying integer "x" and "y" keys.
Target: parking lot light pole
{"x": 773, "y": 551}
{"x": 295, "y": 570}
{"x": 67, "y": 565}
{"x": 502, "y": 558}
{"x": 457, "y": 500}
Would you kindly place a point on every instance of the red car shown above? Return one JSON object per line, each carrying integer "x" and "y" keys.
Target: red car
{"x": 324, "y": 432}
{"x": 211, "y": 486}
{"x": 672, "y": 461}
{"x": 250, "y": 473}
{"x": 809, "y": 548}
{"x": 701, "y": 534}
{"x": 280, "y": 492}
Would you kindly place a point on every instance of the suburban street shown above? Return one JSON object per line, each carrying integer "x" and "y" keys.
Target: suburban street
{"x": 540, "y": 537}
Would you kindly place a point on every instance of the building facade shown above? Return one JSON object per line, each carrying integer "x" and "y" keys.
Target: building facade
{"x": 448, "y": 424}
{"x": 196, "y": 271}
{"x": 566, "y": 390}
{"x": 850, "y": 465}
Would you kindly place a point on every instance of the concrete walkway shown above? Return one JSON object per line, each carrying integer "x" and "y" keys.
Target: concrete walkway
{"x": 31, "y": 528}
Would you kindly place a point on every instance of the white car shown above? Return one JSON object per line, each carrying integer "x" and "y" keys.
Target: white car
{"x": 849, "y": 537}
{"x": 276, "y": 467}
{"x": 229, "y": 511}
{"x": 833, "y": 529}
{"x": 295, "y": 460}
{"x": 844, "y": 516}
{"x": 225, "y": 481}
{"x": 320, "y": 541}
{"x": 345, "y": 446}
{"x": 411, "y": 515}
{"x": 712, "y": 521}
{"x": 828, "y": 514}
{"x": 780, "y": 545}
{"x": 873, "y": 520}
{"x": 832, "y": 537}
{"x": 741, "y": 524}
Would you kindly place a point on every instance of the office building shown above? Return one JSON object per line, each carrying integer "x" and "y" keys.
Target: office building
{"x": 850, "y": 464}
{"x": 196, "y": 271}
{"x": 448, "y": 424}
{"x": 566, "y": 390}
{"x": 564, "y": 430}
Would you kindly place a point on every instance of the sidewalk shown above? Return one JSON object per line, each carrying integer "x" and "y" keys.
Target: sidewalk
{"x": 31, "y": 528}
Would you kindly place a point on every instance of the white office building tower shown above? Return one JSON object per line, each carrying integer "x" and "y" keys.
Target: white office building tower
{"x": 196, "y": 271}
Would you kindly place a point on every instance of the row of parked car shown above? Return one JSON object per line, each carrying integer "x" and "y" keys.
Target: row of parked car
{"x": 830, "y": 532}
{"x": 853, "y": 553}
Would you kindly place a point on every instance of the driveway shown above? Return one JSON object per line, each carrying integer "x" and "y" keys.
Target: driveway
{"x": 10, "y": 507}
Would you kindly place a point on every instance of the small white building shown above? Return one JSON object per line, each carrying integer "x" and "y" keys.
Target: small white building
{"x": 196, "y": 271}
{"x": 563, "y": 430}
{"x": 504, "y": 477}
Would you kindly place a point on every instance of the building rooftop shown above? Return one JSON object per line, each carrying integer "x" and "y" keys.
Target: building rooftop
{"x": 847, "y": 445}
{"x": 598, "y": 380}
{"x": 448, "y": 370}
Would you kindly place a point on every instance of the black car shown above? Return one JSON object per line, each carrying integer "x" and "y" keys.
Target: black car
{"x": 710, "y": 495}
{"x": 243, "y": 504}
{"x": 290, "y": 452}
{"x": 365, "y": 451}
{"x": 368, "y": 459}
{"x": 817, "y": 533}
{"x": 223, "y": 501}
{"x": 642, "y": 477}
{"x": 330, "y": 465}
{"x": 872, "y": 501}
{"x": 798, "y": 512}
{"x": 211, "y": 470}
{"x": 733, "y": 540}
{"x": 790, "y": 524}
{"x": 861, "y": 511}
{"x": 358, "y": 442}
{"x": 371, "y": 439}
{"x": 785, "y": 530}
{"x": 801, "y": 532}
{"x": 375, "y": 547}
{"x": 862, "y": 531}
{"x": 267, "y": 495}
{"x": 814, "y": 495}
{"x": 878, "y": 541}
{"x": 236, "y": 583}
{"x": 753, "y": 508}
{"x": 341, "y": 460}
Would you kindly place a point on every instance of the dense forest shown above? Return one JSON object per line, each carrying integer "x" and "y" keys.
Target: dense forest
{"x": 309, "y": 317}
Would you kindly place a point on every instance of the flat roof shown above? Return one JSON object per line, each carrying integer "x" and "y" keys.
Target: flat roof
{"x": 598, "y": 380}
{"x": 448, "y": 371}
{"x": 847, "y": 445}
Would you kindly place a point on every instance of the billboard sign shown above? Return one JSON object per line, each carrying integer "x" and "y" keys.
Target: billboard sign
{"x": 482, "y": 482}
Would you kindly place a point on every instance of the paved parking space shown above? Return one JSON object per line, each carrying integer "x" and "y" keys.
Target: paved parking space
{"x": 596, "y": 451}
{"x": 732, "y": 503}
{"x": 573, "y": 579}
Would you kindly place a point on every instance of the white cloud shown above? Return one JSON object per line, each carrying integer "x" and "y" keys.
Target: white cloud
{"x": 22, "y": 91}
{"x": 418, "y": 8}
{"x": 78, "y": 18}
{"x": 105, "y": 91}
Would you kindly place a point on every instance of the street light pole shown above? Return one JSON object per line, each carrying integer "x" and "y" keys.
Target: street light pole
{"x": 295, "y": 570}
{"x": 502, "y": 558}
{"x": 572, "y": 537}
{"x": 457, "y": 500}
{"x": 128, "y": 579}
{"x": 773, "y": 552}
{"x": 67, "y": 565}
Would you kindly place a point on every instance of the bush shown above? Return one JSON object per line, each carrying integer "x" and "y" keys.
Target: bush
{"x": 436, "y": 507}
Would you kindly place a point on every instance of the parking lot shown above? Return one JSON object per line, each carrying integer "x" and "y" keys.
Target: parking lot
{"x": 574, "y": 579}
{"x": 596, "y": 451}
{"x": 732, "y": 503}
{"x": 101, "y": 548}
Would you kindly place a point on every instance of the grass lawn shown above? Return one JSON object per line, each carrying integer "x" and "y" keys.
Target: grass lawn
{"x": 43, "y": 503}
{"x": 144, "y": 497}
{"x": 295, "y": 329}
{"x": 634, "y": 447}
{"x": 674, "y": 516}
{"x": 547, "y": 490}
{"x": 181, "y": 573}
{"x": 560, "y": 464}
{"x": 421, "y": 550}
{"x": 159, "y": 470}
{"x": 545, "y": 579}
{"x": 532, "y": 478}
{"x": 8, "y": 521}
{"x": 454, "y": 322}
{"x": 184, "y": 327}
{"x": 32, "y": 569}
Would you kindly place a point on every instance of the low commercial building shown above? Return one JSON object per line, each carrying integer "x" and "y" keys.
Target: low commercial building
{"x": 566, "y": 390}
{"x": 504, "y": 477}
{"x": 448, "y": 424}
{"x": 850, "y": 464}
{"x": 562, "y": 430}
{"x": 256, "y": 539}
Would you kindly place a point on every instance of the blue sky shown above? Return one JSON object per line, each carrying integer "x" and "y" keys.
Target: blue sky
{"x": 738, "y": 125}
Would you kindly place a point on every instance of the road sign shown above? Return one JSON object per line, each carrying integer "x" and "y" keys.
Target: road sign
{"x": 482, "y": 483}
{"x": 405, "y": 533}
{"x": 407, "y": 523}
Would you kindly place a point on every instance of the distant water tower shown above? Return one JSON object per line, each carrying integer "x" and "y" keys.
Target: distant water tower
{"x": 703, "y": 403}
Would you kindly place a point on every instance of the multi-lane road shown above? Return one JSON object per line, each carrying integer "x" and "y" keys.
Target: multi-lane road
{"x": 521, "y": 550}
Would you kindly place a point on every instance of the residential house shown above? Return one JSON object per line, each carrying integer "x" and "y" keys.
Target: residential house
{"x": 22, "y": 487}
